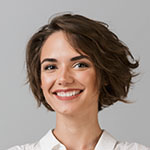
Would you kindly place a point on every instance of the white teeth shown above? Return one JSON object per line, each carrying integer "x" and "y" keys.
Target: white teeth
{"x": 67, "y": 94}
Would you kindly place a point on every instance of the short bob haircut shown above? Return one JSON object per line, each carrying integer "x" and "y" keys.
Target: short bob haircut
{"x": 112, "y": 59}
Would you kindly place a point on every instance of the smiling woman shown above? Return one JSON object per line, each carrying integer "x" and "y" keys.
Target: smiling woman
{"x": 68, "y": 80}
{"x": 76, "y": 67}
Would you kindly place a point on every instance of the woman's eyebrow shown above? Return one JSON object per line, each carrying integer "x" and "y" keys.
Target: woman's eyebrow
{"x": 79, "y": 57}
{"x": 49, "y": 60}
{"x": 72, "y": 59}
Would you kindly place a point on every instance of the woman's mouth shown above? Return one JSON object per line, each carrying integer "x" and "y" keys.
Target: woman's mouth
{"x": 67, "y": 94}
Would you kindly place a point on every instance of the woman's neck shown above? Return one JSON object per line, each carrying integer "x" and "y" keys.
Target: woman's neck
{"x": 78, "y": 132}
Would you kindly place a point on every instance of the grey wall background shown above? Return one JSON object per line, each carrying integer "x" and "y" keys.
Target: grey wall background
{"x": 20, "y": 120}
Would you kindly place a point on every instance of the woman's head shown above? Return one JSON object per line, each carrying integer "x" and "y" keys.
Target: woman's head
{"x": 108, "y": 54}
{"x": 68, "y": 78}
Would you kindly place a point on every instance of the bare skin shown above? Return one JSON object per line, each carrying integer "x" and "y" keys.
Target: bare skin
{"x": 83, "y": 131}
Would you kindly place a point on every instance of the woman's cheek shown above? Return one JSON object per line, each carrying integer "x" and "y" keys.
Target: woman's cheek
{"x": 87, "y": 76}
{"x": 46, "y": 80}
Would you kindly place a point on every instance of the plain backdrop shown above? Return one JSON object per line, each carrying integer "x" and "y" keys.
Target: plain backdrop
{"x": 20, "y": 120}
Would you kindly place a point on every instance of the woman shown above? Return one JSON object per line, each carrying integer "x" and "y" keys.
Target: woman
{"x": 72, "y": 66}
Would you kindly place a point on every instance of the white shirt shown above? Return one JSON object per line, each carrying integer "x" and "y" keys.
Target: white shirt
{"x": 106, "y": 142}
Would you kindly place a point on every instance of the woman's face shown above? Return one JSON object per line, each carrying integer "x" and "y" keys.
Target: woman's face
{"x": 68, "y": 79}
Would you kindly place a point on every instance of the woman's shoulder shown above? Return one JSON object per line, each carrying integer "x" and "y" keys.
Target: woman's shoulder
{"x": 33, "y": 146}
{"x": 119, "y": 146}
{"x": 130, "y": 146}
{"x": 106, "y": 142}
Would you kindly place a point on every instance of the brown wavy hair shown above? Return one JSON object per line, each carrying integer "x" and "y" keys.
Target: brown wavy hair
{"x": 111, "y": 57}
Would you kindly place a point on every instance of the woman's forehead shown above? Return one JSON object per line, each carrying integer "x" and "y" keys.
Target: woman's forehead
{"x": 57, "y": 45}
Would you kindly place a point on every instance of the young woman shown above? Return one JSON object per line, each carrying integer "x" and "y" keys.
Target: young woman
{"x": 76, "y": 67}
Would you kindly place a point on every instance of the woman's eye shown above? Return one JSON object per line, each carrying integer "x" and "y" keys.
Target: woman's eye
{"x": 81, "y": 65}
{"x": 50, "y": 67}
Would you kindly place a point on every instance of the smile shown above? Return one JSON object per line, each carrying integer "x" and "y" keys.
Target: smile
{"x": 67, "y": 94}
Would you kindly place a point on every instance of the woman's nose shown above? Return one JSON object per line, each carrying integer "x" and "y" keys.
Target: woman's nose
{"x": 65, "y": 77}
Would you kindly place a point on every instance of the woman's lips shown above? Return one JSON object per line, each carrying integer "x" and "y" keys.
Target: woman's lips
{"x": 67, "y": 94}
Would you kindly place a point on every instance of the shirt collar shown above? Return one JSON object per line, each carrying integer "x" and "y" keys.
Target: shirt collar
{"x": 106, "y": 141}
{"x": 49, "y": 142}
